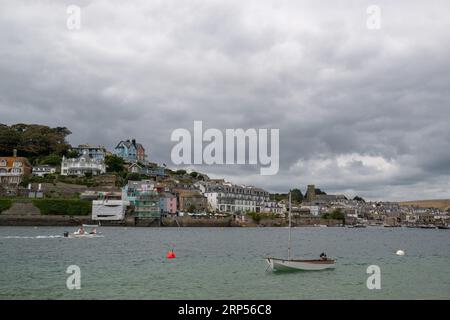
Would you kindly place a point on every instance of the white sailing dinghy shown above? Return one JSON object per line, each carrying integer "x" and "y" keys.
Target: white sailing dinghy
{"x": 289, "y": 264}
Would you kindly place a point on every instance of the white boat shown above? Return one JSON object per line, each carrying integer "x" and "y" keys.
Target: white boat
{"x": 307, "y": 265}
{"x": 85, "y": 235}
{"x": 289, "y": 264}
{"x": 81, "y": 233}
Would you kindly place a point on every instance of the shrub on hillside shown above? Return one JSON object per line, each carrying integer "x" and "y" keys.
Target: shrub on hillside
{"x": 63, "y": 207}
{"x": 5, "y": 204}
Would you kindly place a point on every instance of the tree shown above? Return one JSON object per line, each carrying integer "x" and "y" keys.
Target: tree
{"x": 357, "y": 198}
{"x": 194, "y": 174}
{"x": 256, "y": 217}
{"x": 180, "y": 172}
{"x": 133, "y": 177}
{"x": 72, "y": 154}
{"x": 114, "y": 164}
{"x": 88, "y": 174}
{"x": 278, "y": 196}
{"x": 52, "y": 159}
{"x": 297, "y": 195}
{"x": 191, "y": 208}
{"x": 33, "y": 141}
{"x": 337, "y": 214}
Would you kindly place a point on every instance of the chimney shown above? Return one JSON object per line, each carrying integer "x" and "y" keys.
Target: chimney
{"x": 14, "y": 153}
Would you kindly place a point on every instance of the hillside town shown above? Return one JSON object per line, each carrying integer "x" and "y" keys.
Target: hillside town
{"x": 123, "y": 186}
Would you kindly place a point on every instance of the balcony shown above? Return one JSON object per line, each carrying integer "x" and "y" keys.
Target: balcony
{"x": 10, "y": 174}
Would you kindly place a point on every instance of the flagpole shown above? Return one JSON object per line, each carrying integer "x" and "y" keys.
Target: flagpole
{"x": 289, "y": 240}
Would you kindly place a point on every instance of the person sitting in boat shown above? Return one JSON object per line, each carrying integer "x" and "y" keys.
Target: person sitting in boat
{"x": 80, "y": 231}
{"x": 323, "y": 256}
{"x": 94, "y": 231}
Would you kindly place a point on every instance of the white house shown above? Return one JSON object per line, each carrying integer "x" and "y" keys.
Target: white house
{"x": 314, "y": 210}
{"x": 82, "y": 165}
{"x": 226, "y": 197}
{"x": 42, "y": 170}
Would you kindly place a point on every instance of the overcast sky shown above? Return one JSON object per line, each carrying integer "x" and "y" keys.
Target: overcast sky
{"x": 360, "y": 111}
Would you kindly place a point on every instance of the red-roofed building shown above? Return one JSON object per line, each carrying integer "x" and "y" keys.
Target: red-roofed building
{"x": 13, "y": 169}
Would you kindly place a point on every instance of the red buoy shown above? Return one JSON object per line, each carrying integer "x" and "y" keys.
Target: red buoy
{"x": 171, "y": 255}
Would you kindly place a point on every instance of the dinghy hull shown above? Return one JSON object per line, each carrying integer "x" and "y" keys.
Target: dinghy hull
{"x": 305, "y": 265}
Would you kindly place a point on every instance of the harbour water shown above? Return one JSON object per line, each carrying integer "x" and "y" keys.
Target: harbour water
{"x": 222, "y": 263}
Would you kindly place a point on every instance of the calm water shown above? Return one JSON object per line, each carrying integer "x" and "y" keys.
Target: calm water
{"x": 222, "y": 263}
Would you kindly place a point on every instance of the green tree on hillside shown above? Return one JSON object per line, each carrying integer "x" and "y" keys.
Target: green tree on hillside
{"x": 114, "y": 164}
{"x": 52, "y": 159}
{"x": 194, "y": 174}
{"x": 296, "y": 195}
{"x": 33, "y": 141}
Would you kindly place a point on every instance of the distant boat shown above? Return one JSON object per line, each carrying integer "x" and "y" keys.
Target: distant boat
{"x": 427, "y": 226}
{"x": 81, "y": 233}
{"x": 443, "y": 227}
{"x": 289, "y": 264}
{"x": 360, "y": 225}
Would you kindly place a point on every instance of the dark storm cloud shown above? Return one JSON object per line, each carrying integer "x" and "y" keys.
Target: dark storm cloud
{"x": 359, "y": 111}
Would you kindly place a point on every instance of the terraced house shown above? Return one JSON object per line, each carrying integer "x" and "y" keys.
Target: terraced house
{"x": 227, "y": 197}
{"x": 14, "y": 169}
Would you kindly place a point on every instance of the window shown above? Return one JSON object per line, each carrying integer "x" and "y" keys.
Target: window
{"x": 17, "y": 164}
{"x": 3, "y": 163}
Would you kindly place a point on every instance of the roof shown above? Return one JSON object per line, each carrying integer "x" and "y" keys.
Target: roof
{"x": 129, "y": 143}
{"x": 10, "y": 161}
{"x": 88, "y": 146}
{"x": 44, "y": 166}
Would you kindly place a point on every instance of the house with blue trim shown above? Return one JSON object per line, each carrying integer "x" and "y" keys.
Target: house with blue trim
{"x": 131, "y": 151}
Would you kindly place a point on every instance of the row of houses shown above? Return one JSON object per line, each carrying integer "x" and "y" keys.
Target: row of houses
{"x": 151, "y": 199}
{"x": 88, "y": 160}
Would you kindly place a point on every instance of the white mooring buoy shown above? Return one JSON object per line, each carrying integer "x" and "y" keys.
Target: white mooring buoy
{"x": 400, "y": 253}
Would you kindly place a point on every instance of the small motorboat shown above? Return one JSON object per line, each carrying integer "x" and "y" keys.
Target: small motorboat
{"x": 443, "y": 227}
{"x": 82, "y": 233}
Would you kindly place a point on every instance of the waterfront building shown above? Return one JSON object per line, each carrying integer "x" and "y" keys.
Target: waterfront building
{"x": 14, "y": 169}
{"x": 191, "y": 200}
{"x": 82, "y": 165}
{"x": 146, "y": 205}
{"x": 133, "y": 188}
{"x": 109, "y": 206}
{"x": 94, "y": 152}
{"x": 226, "y": 197}
{"x": 273, "y": 207}
{"x": 42, "y": 170}
{"x": 130, "y": 151}
{"x": 313, "y": 210}
{"x": 167, "y": 203}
